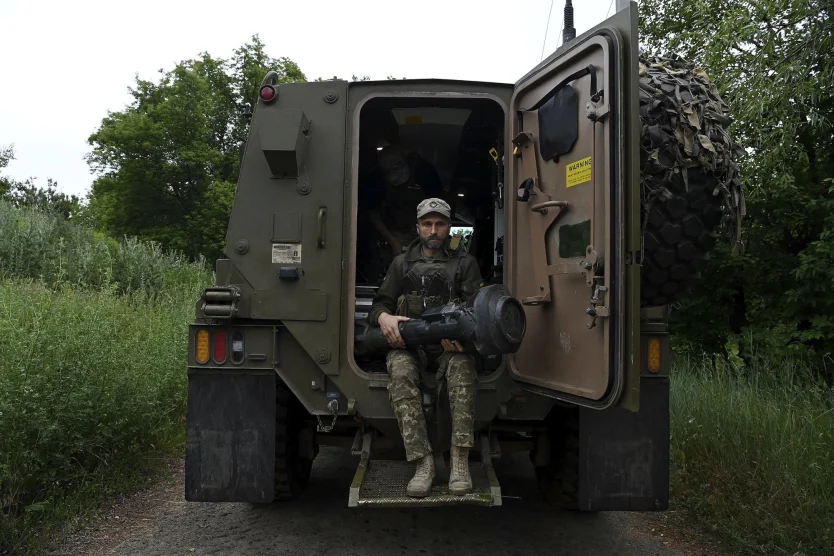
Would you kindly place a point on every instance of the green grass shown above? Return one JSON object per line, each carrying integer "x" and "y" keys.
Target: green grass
{"x": 89, "y": 381}
{"x": 753, "y": 454}
{"x": 93, "y": 338}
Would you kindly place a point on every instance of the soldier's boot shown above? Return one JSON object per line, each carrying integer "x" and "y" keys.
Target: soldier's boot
{"x": 420, "y": 485}
{"x": 460, "y": 482}
{"x": 462, "y": 383}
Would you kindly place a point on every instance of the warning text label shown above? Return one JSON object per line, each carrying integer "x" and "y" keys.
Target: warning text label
{"x": 578, "y": 172}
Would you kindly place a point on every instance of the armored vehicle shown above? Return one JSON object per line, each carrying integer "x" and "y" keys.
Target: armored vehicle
{"x": 592, "y": 190}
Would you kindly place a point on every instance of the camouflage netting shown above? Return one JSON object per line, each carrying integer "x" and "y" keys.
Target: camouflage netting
{"x": 689, "y": 176}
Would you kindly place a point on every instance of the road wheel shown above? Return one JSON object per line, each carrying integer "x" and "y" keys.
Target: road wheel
{"x": 292, "y": 472}
{"x": 559, "y": 480}
{"x": 690, "y": 187}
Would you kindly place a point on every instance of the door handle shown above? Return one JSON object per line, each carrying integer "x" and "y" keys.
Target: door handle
{"x": 321, "y": 227}
{"x": 542, "y": 207}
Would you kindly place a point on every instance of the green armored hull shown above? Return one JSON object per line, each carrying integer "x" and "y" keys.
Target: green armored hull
{"x": 592, "y": 190}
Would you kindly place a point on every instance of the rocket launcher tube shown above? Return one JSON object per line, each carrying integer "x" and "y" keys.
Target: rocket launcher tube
{"x": 492, "y": 322}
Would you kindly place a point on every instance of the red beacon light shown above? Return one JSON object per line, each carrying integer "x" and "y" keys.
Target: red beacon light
{"x": 268, "y": 93}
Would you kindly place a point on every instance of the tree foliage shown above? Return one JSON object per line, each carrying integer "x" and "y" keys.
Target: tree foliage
{"x": 6, "y": 156}
{"x": 29, "y": 195}
{"x": 168, "y": 163}
{"x": 771, "y": 61}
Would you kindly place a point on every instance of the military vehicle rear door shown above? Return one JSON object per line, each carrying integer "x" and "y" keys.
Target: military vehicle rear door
{"x": 571, "y": 222}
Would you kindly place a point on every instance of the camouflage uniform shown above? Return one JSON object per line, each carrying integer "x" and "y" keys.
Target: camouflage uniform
{"x": 413, "y": 284}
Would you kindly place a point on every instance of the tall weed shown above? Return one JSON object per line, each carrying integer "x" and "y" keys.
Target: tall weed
{"x": 59, "y": 252}
{"x": 88, "y": 381}
{"x": 753, "y": 451}
{"x": 92, "y": 366}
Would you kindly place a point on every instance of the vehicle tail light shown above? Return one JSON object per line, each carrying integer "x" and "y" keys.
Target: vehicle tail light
{"x": 654, "y": 354}
{"x": 202, "y": 353}
{"x": 220, "y": 343}
{"x": 237, "y": 346}
{"x": 268, "y": 93}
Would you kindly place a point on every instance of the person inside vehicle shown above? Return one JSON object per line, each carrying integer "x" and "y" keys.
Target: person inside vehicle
{"x": 429, "y": 274}
{"x": 400, "y": 181}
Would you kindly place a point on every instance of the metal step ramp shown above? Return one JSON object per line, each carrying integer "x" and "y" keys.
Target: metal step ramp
{"x": 382, "y": 483}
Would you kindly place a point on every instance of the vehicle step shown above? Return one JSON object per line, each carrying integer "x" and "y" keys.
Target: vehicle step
{"x": 382, "y": 483}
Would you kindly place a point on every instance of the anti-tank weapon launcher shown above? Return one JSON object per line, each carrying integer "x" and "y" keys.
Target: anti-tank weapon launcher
{"x": 492, "y": 322}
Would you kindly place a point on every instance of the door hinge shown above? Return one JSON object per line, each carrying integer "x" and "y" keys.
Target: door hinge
{"x": 596, "y": 109}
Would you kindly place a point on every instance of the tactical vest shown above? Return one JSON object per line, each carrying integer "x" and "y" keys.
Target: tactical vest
{"x": 429, "y": 284}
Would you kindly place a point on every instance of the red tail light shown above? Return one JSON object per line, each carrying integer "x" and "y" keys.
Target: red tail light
{"x": 220, "y": 343}
{"x": 268, "y": 93}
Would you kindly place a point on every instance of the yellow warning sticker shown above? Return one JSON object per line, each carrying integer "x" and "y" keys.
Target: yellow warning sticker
{"x": 414, "y": 119}
{"x": 578, "y": 172}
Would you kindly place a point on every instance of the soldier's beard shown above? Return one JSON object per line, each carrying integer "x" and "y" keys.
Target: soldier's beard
{"x": 432, "y": 242}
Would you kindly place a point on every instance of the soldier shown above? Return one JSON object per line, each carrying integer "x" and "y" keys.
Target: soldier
{"x": 429, "y": 274}
{"x": 400, "y": 180}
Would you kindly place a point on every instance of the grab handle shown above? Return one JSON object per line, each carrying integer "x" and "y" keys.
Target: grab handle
{"x": 322, "y": 216}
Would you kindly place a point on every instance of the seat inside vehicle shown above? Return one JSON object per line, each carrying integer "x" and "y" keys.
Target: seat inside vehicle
{"x": 456, "y": 146}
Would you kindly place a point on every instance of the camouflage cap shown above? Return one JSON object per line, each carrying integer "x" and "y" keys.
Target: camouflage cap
{"x": 434, "y": 205}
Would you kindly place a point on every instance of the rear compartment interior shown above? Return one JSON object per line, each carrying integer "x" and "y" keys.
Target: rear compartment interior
{"x": 458, "y": 142}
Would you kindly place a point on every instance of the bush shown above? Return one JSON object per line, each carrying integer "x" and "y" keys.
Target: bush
{"x": 92, "y": 367}
{"x": 60, "y": 252}
{"x": 88, "y": 381}
{"x": 752, "y": 446}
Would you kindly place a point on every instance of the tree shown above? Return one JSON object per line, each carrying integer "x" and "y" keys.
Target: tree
{"x": 353, "y": 78}
{"x": 28, "y": 194}
{"x": 6, "y": 156}
{"x": 168, "y": 162}
{"x": 771, "y": 62}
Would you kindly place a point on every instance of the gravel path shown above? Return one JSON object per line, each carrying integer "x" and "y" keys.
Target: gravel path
{"x": 159, "y": 522}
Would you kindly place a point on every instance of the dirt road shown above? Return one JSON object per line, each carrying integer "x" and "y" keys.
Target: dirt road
{"x": 159, "y": 522}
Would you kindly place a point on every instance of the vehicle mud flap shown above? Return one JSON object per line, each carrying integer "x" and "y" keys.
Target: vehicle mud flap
{"x": 230, "y": 436}
{"x": 624, "y": 455}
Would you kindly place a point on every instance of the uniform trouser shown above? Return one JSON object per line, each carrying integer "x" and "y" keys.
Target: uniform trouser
{"x": 404, "y": 366}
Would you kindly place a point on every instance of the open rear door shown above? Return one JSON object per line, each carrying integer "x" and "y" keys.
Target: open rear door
{"x": 572, "y": 218}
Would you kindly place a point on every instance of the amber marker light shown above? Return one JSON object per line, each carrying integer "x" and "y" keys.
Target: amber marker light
{"x": 654, "y": 354}
{"x": 202, "y": 346}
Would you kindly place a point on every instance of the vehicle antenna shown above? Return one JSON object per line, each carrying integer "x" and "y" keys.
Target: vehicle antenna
{"x": 570, "y": 32}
